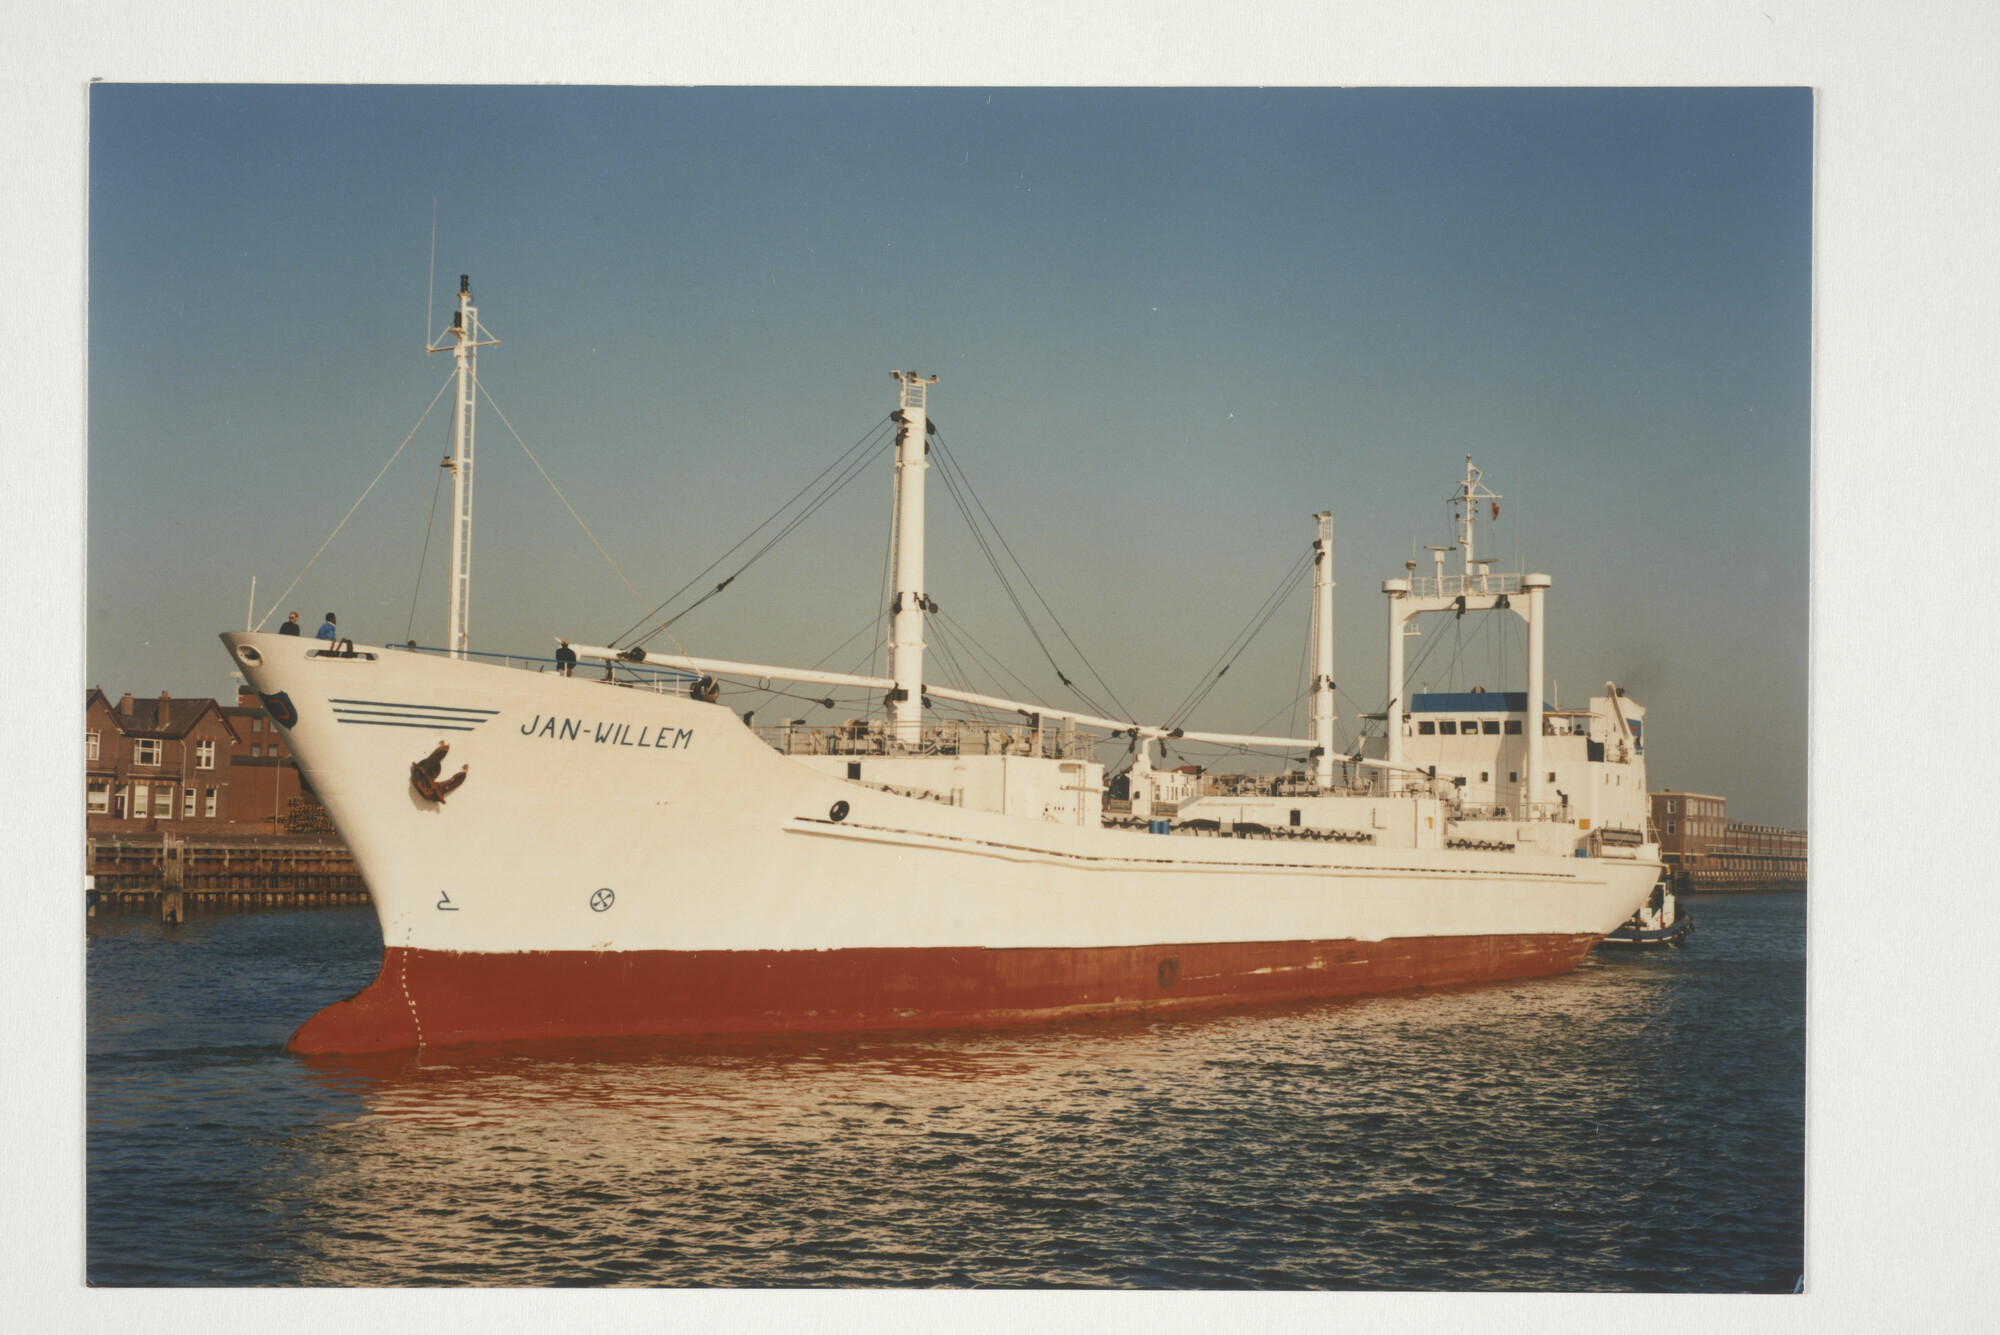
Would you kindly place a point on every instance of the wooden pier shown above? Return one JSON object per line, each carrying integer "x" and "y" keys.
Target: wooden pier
{"x": 172, "y": 873}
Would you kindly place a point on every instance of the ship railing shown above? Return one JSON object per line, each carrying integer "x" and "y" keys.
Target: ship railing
{"x": 872, "y": 737}
{"x": 1451, "y": 586}
{"x": 662, "y": 681}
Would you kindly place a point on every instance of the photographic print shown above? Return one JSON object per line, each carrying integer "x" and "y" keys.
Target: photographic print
{"x": 948, "y": 687}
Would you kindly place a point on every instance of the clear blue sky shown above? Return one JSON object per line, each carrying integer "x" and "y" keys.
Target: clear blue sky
{"x": 1169, "y": 325}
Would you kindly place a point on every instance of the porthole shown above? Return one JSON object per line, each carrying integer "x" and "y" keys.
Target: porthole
{"x": 250, "y": 657}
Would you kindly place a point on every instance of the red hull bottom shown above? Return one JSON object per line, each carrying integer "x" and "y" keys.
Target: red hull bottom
{"x": 431, "y": 998}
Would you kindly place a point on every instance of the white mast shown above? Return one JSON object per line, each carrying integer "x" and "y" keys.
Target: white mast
{"x": 1470, "y": 493}
{"x": 1536, "y": 586}
{"x": 1322, "y": 639}
{"x": 465, "y": 351}
{"x": 465, "y": 344}
{"x": 906, "y": 624}
{"x": 1398, "y": 592}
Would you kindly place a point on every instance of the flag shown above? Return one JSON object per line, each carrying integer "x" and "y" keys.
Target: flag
{"x": 1496, "y": 509}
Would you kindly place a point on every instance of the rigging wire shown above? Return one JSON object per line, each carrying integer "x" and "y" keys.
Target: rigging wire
{"x": 565, "y": 500}
{"x": 826, "y": 699}
{"x": 847, "y": 457}
{"x": 1236, "y": 647}
{"x": 357, "y": 503}
{"x": 944, "y": 453}
{"x": 946, "y": 469}
{"x": 430, "y": 527}
{"x": 1305, "y": 654}
{"x": 991, "y": 658}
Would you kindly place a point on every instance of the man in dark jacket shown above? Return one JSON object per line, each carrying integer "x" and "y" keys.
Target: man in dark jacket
{"x": 565, "y": 658}
{"x": 291, "y": 626}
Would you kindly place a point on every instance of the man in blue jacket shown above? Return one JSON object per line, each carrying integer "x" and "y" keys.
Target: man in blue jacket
{"x": 327, "y": 630}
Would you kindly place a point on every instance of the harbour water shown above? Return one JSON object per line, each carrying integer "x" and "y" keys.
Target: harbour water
{"x": 1636, "y": 1125}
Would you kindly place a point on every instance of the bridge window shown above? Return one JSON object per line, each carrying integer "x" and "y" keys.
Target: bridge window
{"x": 1513, "y": 727}
{"x": 1448, "y": 728}
{"x": 1470, "y": 727}
{"x": 1426, "y": 729}
{"x": 1491, "y": 727}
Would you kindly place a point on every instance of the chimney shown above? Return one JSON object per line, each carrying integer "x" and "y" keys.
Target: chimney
{"x": 125, "y": 705}
{"x": 246, "y": 698}
{"x": 165, "y": 718}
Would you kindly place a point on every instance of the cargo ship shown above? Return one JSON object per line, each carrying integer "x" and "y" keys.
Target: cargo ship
{"x": 603, "y": 848}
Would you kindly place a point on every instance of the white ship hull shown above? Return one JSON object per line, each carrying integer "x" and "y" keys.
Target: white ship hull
{"x": 622, "y": 861}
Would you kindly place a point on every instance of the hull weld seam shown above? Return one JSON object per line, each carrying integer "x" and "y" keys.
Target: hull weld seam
{"x": 403, "y": 977}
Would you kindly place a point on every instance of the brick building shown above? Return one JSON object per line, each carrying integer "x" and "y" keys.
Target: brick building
{"x": 263, "y": 776}
{"x": 1687, "y": 825}
{"x": 204, "y": 767}
{"x": 150, "y": 761}
{"x": 1706, "y": 850}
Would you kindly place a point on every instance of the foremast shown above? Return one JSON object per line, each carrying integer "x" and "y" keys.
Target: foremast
{"x": 463, "y": 340}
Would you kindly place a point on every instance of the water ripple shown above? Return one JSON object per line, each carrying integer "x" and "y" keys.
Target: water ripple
{"x": 1637, "y": 1125}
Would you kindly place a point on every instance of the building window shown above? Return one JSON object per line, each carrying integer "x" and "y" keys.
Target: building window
{"x": 1513, "y": 776}
{"x": 257, "y": 748}
{"x": 1426, "y": 729}
{"x": 146, "y": 751}
{"x": 204, "y": 754}
{"x": 99, "y": 798}
{"x": 90, "y": 746}
{"x": 1513, "y": 727}
{"x": 141, "y": 797}
{"x": 1484, "y": 776}
{"x": 1670, "y": 806}
{"x": 256, "y": 725}
{"x": 1491, "y": 727}
{"x": 187, "y": 802}
{"x": 1670, "y": 824}
{"x": 163, "y": 802}
{"x": 208, "y": 803}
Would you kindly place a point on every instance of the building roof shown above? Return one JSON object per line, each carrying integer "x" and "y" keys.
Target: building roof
{"x": 176, "y": 719}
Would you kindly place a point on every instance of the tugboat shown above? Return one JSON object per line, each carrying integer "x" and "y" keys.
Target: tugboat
{"x": 1658, "y": 922}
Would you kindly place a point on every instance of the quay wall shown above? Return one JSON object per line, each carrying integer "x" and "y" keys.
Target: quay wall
{"x": 205, "y": 868}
